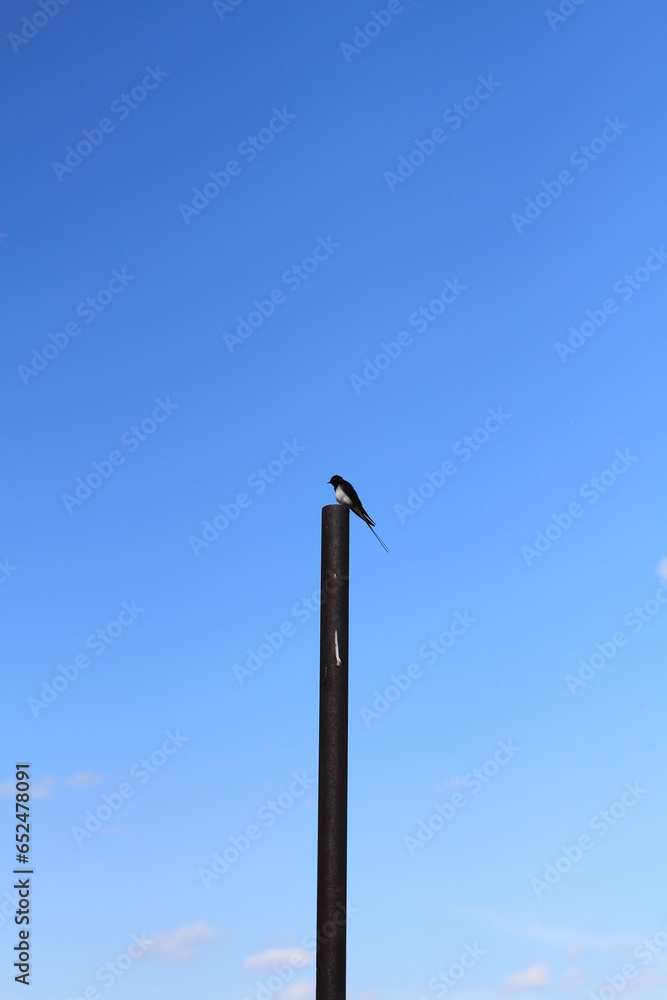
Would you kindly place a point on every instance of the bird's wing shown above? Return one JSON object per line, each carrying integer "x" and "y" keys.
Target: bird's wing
{"x": 352, "y": 494}
{"x": 356, "y": 504}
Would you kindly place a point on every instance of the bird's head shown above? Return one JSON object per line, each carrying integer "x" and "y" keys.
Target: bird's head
{"x": 335, "y": 480}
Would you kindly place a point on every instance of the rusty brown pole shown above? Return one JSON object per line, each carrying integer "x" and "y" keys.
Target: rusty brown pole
{"x": 332, "y": 788}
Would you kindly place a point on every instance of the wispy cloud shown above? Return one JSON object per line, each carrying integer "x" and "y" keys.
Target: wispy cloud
{"x": 575, "y": 942}
{"x": 574, "y": 977}
{"x": 38, "y": 789}
{"x": 305, "y": 990}
{"x": 296, "y": 957}
{"x": 115, "y": 831}
{"x": 182, "y": 945}
{"x": 537, "y": 975}
{"x": 84, "y": 779}
{"x": 450, "y": 785}
{"x": 651, "y": 978}
{"x": 43, "y": 788}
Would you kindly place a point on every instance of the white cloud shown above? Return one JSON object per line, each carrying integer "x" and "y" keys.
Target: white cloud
{"x": 183, "y": 944}
{"x": 42, "y": 789}
{"x": 305, "y": 990}
{"x": 296, "y": 957}
{"x": 450, "y": 785}
{"x": 661, "y": 568}
{"x": 651, "y": 977}
{"x": 118, "y": 830}
{"x": 572, "y": 941}
{"x": 38, "y": 789}
{"x": 537, "y": 975}
{"x": 575, "y": 977}
{"x": 84, "y": 779}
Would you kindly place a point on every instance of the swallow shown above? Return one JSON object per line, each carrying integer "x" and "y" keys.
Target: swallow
{"x": 347, "y": 496}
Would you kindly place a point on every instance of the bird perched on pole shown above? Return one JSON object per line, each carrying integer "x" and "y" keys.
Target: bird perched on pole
{"x": 348, "y": 497}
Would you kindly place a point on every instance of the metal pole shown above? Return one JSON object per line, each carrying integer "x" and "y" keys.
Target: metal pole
{"x": 332, "y": 789}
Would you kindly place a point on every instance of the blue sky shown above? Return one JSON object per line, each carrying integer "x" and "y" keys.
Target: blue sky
{"x": 248, "y": 246}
